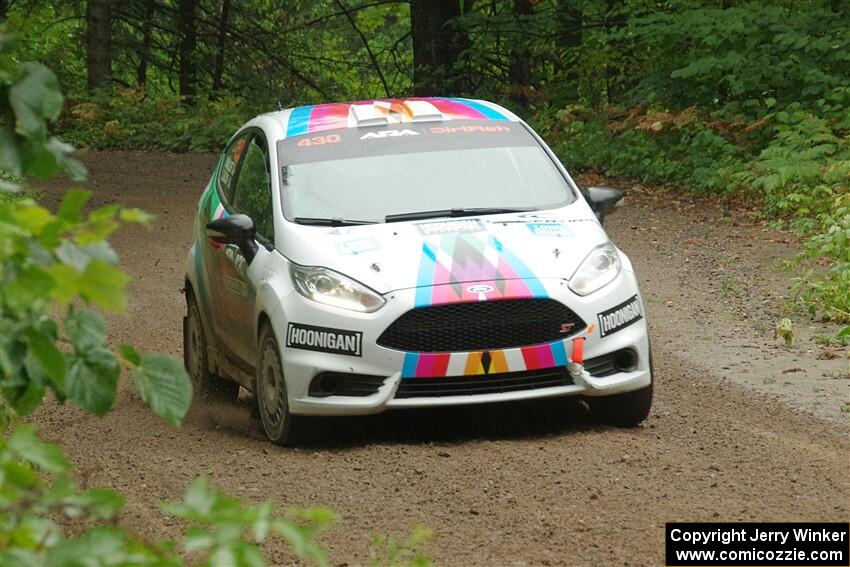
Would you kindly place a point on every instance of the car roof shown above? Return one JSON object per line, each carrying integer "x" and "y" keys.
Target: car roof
{"x": 320, "y": 117}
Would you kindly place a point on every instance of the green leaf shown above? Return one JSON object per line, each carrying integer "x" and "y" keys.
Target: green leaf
{"x": 165, "y": 386}
{"x": 20, "y": 475}
{"x": 49, "y": 357}
{"x": 31, "y": 217}
{"x": 11, "y": 160}
{"x": 61, "y": 153}
{"x": 29, "y": 447}
{"x": 72, "y": 205}
{"x": 130, "y": 354}
{"x": 87, "y": 329}
{"x": 102, "y": 503}
{"x": 80, "y": 256}
{"x": 103, "y": 285}
{"x": 34, "y": 98}
{"x": 100, "y": 546}
{"x": 67, "y": 280}
{"x": 32, "y": 284}
{"x": 136, "y": 216}
{"x": 92, "y": 380}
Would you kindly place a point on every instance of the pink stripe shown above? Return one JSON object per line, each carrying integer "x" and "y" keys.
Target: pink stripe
{"x": 425, "y": 365}
{"x": 545, "y": 357}
{"x": 456, "y": 109}
{"x": 537, "y": 357}
{"x": 328, "y": 117}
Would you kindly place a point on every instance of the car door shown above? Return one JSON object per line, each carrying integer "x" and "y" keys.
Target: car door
{"x": 252, "y": 197}
{"x": 218, "y": 268}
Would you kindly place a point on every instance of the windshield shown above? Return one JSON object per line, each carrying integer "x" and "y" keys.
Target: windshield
{"x": 367, "y": 175}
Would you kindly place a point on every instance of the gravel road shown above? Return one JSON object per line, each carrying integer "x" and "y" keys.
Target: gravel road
{"x": 742, "y": 429}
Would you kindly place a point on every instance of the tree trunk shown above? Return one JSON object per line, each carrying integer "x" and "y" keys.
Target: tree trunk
{"x": 218, "y": 70}
{"x": 437, "y": 46}
{"x": 145, "y": 51}
{"x": 99, "y": 43}
{"x": 519, "y": 66}
{"x": 186, "y": 14}
{"x": 569, "y": 37}
{"x": 613, "y": 21}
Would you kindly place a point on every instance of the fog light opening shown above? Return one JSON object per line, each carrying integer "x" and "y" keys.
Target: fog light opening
{"x": 329, "y": 384}
{"x": 625, "y": 360}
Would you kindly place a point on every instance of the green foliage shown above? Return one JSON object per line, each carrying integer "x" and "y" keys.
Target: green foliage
{"x": 751, "y": 100}
{"x": 387, "y": 552}
{"x": 221, "y": 531}
{"x": 29, "y": 96}
{"x": 63, "y": 259}
{"x": 133, "y": 119}
{"x": 229, "y": 531}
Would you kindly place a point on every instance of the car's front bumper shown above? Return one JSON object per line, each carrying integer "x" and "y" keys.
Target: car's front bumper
{"x": 302, "y": 366}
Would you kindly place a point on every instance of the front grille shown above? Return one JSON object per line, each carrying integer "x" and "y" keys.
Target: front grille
{"x": 486, "y": 384}
{"x": 481, "y": 325}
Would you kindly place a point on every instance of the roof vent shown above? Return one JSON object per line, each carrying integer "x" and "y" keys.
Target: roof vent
{"x": 367, "y": 115}
{"x": 422, "y": 111}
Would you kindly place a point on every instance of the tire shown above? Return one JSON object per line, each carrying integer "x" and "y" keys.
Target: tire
{"x": 207, "y": 386}
{"x": 623, "y": 410}
{"x": 270, "y": 392}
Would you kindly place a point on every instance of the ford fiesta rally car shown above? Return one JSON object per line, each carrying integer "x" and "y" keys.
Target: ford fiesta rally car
{"x": 355, "y": 257}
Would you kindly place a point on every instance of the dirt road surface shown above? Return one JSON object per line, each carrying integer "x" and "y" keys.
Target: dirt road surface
{"x": 742, "y": 429}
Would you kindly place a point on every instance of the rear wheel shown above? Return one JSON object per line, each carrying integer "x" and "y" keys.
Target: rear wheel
{"x": 270, "y": 392}
{"x": 206, "y": 385}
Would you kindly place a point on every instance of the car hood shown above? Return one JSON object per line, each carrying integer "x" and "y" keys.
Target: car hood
{"x": 489, "y": 248}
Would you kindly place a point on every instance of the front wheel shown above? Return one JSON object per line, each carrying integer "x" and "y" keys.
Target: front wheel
{"x": 206, "y": 384}
{"x": 628, "y": 409}
{"x": 271, "y": 394}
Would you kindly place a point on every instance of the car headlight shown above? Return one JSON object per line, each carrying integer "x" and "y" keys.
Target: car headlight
{"x": 598, "y": 269}
{"x": 332, "y": 288}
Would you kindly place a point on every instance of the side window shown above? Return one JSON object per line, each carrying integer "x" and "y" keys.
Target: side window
{"x": 253, "y": 191}
{"x": 232, "y": 155}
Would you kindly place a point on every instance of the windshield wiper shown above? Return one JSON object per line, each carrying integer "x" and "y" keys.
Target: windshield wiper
{"x": 460, "y": 212}
{"x": 330, "y": 222}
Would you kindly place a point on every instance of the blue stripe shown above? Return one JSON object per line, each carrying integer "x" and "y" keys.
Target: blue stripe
{"x": 426, "y": 275}
{"x": 521, "y": 269}
{"x": 559, "y": 353}
{"x": 299, "y": 121}
{"x": 409, "y": 367}
{"x": 483, "y": 109}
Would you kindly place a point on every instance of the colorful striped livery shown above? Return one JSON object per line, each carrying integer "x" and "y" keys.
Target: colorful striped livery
{"x": 471, "y": 267}
{"x": 320, "y": 117}
{"x": 440, "y": 365}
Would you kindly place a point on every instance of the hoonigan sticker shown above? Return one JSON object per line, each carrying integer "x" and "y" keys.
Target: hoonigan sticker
{"x": 620, "y": 316}
{"x": 324, "y": 339}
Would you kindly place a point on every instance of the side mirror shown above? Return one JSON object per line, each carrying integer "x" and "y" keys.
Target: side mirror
{"x": 604, "y": 200}
{"x": 235, "y": 229}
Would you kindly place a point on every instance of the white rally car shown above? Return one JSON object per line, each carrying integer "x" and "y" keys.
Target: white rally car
{"x": 350, "y": 258}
